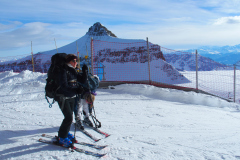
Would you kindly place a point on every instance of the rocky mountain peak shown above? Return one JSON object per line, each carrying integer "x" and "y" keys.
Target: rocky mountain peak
{"x": 99, "y": 30}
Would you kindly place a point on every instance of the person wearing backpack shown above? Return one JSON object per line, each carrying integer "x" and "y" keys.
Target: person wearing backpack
{"x": 67, "y": 78}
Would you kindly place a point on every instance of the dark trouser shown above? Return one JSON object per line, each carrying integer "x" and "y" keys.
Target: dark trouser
{"x": 75, "y": 110}
{"x": 68, "y": 117}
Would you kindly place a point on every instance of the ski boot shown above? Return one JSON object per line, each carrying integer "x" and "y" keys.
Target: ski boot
{"x": 87, "y": 121}
{"x": 66, "y": 142}
{"x": 79, "y": 124}
{"x": 72, "y": 138}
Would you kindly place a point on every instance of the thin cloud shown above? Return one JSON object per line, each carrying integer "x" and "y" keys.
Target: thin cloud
{"x": 22, "y": 36}
{"x": 227, "y": 20}
{"x": 9, "y": 26}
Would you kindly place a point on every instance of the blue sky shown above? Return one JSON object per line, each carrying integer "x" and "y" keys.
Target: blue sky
{"x": 174, "y": 24}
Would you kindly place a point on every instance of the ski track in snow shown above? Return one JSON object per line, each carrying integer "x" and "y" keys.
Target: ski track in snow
{"x": 145, "y": 122}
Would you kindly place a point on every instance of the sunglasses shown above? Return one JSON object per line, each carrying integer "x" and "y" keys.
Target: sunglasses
{"x": 74, "y": 61}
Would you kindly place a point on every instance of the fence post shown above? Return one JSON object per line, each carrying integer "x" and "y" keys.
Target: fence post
{"x": 79, "y": 67}
{"x": 32, "y": 57}
{"x": 148, "y": 62}
{"x": 92, "y": 54}
{"x": 56, "y": 45}
{"x": 234, "y": 84}
{"x": 196, "y": 70}
{"x": 104, "y": 73}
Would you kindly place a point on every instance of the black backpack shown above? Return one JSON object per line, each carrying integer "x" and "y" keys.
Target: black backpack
{"x": 57, "y": 63}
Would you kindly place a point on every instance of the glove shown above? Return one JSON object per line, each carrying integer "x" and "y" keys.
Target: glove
{"x": 97, "y": 77}
{"x": 79, "y": 90}
{"x": 85, "y": 68}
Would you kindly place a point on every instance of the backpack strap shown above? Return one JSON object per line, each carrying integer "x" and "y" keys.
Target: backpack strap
{"x": 55, "y": 94}
{"x": 50, "y": 104}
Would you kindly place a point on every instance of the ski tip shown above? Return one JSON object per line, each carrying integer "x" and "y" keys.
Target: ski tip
{"x": 103, "y": 155}
{"x": 107, "y": 135}
{"x": 96, "y": 140}
{"x": 103, "y": 147}
{"x": 73, "y": 147}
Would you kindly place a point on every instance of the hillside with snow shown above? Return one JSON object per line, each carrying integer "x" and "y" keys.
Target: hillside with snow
{"x": 145, "y": 122}
{"x": 97, "y": 32}
{"x": 110, "y": 52}
{"x": 227, "y": 55}
{"x": 187, "y": 62}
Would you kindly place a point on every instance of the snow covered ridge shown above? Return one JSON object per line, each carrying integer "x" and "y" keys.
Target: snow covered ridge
{"x": 26, "y": 84}
{"x": 174, "y": 95}
{"x": 225, "y": 54}
{"x": 10, "y": 77}
{"x": 136, "y": 53}
{"x": 182, "y": 62}
{"x": 187, "y": 62}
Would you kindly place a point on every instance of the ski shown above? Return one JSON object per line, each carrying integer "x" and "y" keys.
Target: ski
{"x": 81, "y": 143}
{"x": 73, "y": 148}
{"x": 99, "y": 131}
{"x": 88, "y": 134}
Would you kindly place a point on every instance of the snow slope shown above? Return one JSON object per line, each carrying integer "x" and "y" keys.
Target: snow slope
{"x": 145, "y": 122}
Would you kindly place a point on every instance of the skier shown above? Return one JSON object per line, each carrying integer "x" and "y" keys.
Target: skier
{"x": 67, "y": 78}
{"x": 84, "y": 106}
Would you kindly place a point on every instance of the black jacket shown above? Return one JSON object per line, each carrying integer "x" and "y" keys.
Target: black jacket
{"x": 67, "y": 80}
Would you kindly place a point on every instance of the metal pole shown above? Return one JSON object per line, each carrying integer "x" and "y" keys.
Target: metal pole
{"x": 104, "y": 73}
{"x": 92, "y": 54}
{"x": 56, "y": 45}
{"x": 234, "y": 84}
{"x": 32, "y": 57}
{"x": 196, "y": 70}
{"x": 79, "y": 67}
{"x": 148, "y": 62}
{"x": 86, "y": 57}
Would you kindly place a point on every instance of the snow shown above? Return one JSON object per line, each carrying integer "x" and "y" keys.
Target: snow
{"x": 145, "y": 122}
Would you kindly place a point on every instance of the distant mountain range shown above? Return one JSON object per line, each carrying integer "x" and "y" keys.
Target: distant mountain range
{"x": 228, "y": 55}
{"x": 187, "y": 62}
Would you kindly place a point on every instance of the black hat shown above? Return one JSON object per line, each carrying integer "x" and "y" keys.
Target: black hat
{"x": 70, "y": 57}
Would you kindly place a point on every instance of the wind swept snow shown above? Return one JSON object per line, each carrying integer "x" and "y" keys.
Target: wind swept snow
{"x": 145, "y": 122}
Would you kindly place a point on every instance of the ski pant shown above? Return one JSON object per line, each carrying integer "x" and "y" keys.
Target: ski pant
{"x": 81, "y": 108}
{"x": 66, "y": 107}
